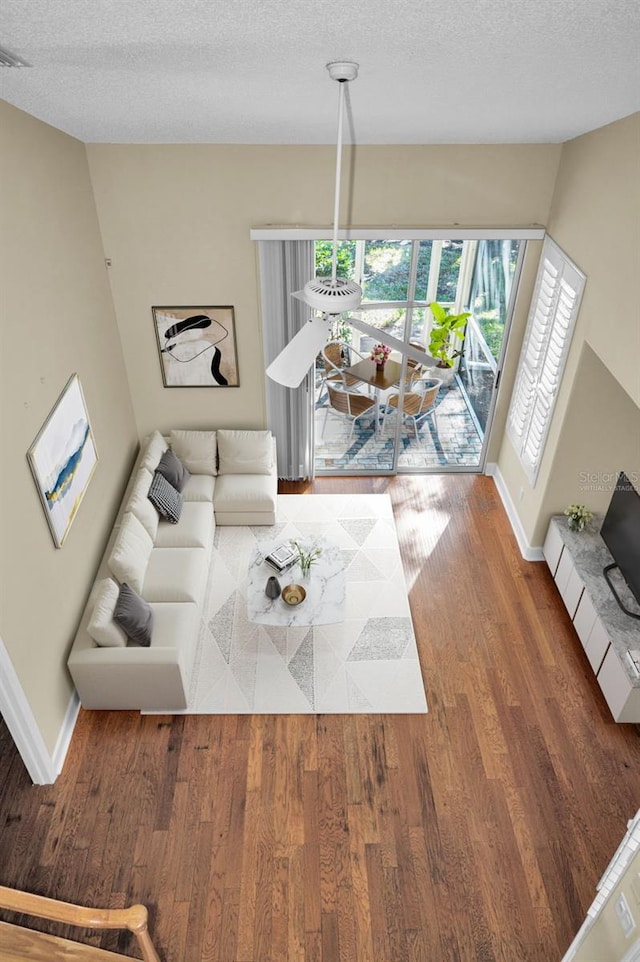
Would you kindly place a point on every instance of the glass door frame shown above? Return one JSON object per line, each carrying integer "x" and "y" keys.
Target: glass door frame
{"x": 451, "y": 233}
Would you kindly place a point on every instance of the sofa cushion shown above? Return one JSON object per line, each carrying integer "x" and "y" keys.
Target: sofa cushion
{"x": 245, "y": 493}
{"x": 199, "y": 487}
{"x": 164, "y": 497}
{"x": 102, "y": 628}
{"x": 194, "y": 531}
{"x": 171, "y": 467}
{"x": 196, "y": 449}
{"x": 140, "y": 505}
{"x": 176, "y": 574}
{"x": 134, "y": 615}
{"x": 245, "y": 452}
{"x": 176, "y": 626}
{"x": 153, "y": 447}
{"x": 130, "y": 553}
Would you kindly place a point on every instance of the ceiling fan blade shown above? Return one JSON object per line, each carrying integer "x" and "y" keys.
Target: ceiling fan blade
{"x": 355, "y": 319}
{"x": 292, "y": 363}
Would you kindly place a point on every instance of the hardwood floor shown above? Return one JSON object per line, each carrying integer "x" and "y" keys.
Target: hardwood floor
{"x": 475, "y": 832}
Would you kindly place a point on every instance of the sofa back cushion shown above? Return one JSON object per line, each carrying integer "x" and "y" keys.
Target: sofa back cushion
{"x": 131, "y": 552}
{"x": 196, "y": 449}
{"x": 140, "y": 505}
{"x": 153, "y": 447}
{"x": 102, "y": 628}
{"x": 245, "y": 452}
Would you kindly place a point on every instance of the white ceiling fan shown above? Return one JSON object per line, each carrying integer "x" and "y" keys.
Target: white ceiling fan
{"x": 329, "y": 296}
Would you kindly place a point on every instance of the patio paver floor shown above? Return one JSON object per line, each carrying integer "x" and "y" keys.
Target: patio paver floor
{"x": 454, "y": 441}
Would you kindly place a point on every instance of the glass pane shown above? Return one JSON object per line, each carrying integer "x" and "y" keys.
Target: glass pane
{"x": 490, "y": 289}
{"x": 422, "y": 276}
{"x": 449, "y": 272}
{"x": 418, "y": 326}
{"x": 345, "y": 260}
{"x": 386, "y": 270}
{"x": 477, "y": 374}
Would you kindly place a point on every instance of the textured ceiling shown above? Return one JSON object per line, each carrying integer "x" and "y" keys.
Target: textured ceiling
{"x": 253, "y": 71}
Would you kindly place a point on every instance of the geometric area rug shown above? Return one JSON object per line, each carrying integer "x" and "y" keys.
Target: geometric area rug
{"x": 367, "y": 663}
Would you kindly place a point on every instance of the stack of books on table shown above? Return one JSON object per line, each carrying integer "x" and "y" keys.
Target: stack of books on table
{"x": 281, "y": 558}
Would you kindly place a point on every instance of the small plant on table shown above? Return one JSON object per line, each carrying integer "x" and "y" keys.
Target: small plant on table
{"x": 306, "y": 558}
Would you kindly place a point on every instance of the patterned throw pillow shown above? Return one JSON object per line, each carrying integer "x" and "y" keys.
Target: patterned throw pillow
{"x": 164, "y": 497}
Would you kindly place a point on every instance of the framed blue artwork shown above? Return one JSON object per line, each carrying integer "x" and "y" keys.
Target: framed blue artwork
{"x": 63, "y": 458}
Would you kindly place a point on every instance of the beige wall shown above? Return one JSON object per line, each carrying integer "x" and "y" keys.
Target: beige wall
{"x": 606, "y": 939}
{"x": 175, "y": 221}
{"x": 57, "y": 318}
{"x": 595, "y": 218}
{"x": 596, "y": 441}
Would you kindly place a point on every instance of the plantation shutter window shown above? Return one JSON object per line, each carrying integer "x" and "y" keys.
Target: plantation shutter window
{"x": 554, "y": 309}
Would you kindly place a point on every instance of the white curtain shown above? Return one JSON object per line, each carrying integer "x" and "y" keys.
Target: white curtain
{"x": 286, "y": 266}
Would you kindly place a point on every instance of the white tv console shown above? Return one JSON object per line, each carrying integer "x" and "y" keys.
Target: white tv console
{"x": 607, "y": 634}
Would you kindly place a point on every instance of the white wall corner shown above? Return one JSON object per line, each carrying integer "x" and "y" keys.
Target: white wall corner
{"x": 42, "y": 767}
{"x": 20, "y": 721}
{"x": 528, "y": 552}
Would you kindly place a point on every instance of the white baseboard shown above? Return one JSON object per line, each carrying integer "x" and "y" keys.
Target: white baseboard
{"x": 64, "y": 738}
{"x": 528, "y": 552}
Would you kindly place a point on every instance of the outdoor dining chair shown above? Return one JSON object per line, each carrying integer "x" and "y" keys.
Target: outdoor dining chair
{"x": 351, "y": 405}
{"x": 417, "y": 405}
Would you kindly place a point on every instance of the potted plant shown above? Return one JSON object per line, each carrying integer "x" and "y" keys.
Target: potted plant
{"x": 446, "y": 330}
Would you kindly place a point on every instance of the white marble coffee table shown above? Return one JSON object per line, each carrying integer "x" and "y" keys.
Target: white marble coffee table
{"x": 325, "y": 587}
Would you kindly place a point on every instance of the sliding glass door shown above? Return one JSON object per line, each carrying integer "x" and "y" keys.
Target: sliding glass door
{"x": 400, "y": 278}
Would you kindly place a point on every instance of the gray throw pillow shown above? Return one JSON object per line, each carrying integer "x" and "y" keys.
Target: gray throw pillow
{"x": 171, "y": 467}
{"x": 165, "y": 499}
{"x": 134, "y": 615}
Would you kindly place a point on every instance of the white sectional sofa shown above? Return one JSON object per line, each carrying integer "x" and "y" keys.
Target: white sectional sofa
{"x": 233, "y": 480}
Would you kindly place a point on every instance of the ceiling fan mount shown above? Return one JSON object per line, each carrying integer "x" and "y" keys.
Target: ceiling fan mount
{"x": 342, "y": 70}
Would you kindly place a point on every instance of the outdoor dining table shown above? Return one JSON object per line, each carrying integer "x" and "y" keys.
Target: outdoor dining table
{"x": 381, "y": 379}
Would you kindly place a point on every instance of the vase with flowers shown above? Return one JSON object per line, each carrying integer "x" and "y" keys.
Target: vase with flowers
{"x": 579, "y": 516}
{"x": 380, "y": 354}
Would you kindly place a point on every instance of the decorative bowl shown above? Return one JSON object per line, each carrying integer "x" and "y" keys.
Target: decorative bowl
{"x": 293, "y": 594}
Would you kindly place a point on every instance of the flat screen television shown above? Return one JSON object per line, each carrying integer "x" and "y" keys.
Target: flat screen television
{"x": 621, "y": 533}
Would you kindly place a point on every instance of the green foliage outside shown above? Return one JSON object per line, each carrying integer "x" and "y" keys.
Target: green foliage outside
{"x": 449, "y": 271}
{"x": 386, "y": 267}
{"x": 492, "y": 328}
{"x": 345, "y": 260}
{"x": 386, "y": 270}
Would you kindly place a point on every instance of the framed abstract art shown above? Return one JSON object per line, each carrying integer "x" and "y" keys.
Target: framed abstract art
{"x": 63, "y": 458}
{"x": 197, "y": 346}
